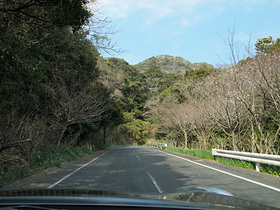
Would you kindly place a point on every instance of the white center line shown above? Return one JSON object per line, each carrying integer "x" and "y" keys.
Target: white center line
{"x": 155, "y": 183}
{"x": 65, "y": 177}
{"x": 224, "y": 172}
{"x": 138, "y": 158}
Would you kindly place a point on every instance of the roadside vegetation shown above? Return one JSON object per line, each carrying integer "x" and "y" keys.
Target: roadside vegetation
{"x": 10, "y": 173}
{"x": 207, "y": 154}
{"x": 234, "y": 108}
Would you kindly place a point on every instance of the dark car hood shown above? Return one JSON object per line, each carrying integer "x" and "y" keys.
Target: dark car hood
{"x": 199, "y": 198}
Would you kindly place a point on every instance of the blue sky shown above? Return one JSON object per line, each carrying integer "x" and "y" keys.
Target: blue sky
{"x": 192, "y": 29}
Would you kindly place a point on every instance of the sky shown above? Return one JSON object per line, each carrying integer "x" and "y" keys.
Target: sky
{"x": 197, "y": 30}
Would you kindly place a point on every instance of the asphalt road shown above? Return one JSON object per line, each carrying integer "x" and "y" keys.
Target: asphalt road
{"x": 145, "y": 170}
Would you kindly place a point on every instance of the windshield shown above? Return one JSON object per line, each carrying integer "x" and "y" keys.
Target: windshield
{"x": 130, "y": 98}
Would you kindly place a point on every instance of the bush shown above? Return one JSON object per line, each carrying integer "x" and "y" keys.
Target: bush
{"x": 104, "y": 146}
{"x": 39, "y": 162}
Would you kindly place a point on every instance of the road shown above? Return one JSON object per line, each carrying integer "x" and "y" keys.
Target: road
{"x": 146, "y": 170}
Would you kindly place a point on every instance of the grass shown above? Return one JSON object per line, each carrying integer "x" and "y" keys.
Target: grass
{"x": 270, "y": 169}
{"x": 236, "y": 163}
{"x": 193, "y": 152}
{"x": 206, "y": 154}
{"x": 40, "y": 161}
{"x": 104, "y": 146}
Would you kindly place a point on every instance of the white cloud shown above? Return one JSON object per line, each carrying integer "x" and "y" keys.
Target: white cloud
{"x": 188, "y": 21}
{"x": 112, "y": 8}
{"x": 154, "y": 10}
{"x": 190, "y": 12}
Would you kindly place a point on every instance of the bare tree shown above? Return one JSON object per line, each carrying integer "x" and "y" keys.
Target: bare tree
{"x": 255, "y": 85}
{"x": 71, "y": 107}
{"x": 179, "y": 116}
{"x": 21, "y": 137}
{"x": 201, "y": 127}
{"x": 101, "y": 30}
{"x": 221, "y": 108}
{"x": 264, "y": 78}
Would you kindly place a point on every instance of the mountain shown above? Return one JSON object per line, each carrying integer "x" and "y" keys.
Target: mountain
{"x": 170, "y": 64}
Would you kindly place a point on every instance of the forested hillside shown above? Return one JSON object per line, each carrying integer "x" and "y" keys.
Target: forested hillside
{"x": 233, "y": 108}
{"x": 51, "y": 94}
{"x": 141, "y": 95}
{"x": 169, "y": 64}
{"x": 56, "y": 90}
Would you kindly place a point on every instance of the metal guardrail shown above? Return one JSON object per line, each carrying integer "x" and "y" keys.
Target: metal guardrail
{"x": 159, "y": 145}
{"x": 247, "y": 156}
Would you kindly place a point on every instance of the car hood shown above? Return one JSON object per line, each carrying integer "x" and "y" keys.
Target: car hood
{"x": 194, "y": 197}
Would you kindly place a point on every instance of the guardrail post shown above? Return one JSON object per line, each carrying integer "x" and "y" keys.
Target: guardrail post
{"x": 258, "y": 167}
{"x": 214, "y": 153}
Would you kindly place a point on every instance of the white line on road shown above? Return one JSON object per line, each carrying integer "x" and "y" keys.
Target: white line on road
{"x": 215, "y": 169}
{"x": 59, "y": 181}
{"x": 138, "y": 158}
{"x": 155, "y": 183}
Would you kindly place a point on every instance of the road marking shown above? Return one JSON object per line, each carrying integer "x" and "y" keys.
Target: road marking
{"x": 138, "y": 158}
{"x": 67, "y": 176}
{"x": 230, "y": 174}
{"x": 155, "y": 183}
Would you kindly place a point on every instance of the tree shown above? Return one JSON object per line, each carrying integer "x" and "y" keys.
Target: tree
{"x": 153, "y": 74}
{"x": 199, "y": 73}
{"x": 267, "y": 45}
{"x": 138, "y": 130}
{"x": 201, "y": 128}
{"x": 113, "y": 117}
{"x": 85, "y": 106}
{"x": 49, "y": 74}
{"x": 47, "y": 13}
{"x": 179, "y": 117}
{"x": 167, "y": 81}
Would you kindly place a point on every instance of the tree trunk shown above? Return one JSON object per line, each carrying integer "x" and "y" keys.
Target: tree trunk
{"x": 205, "y": 143}
{"x": 104, "y": 134}
{"x": 61, "y": 136}
{"x": 186, "y": 139}
{"x": 253, "y": 138}
{"x": 234, "y": 142}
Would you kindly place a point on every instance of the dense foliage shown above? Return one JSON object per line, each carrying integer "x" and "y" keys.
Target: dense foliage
{"x": 50, "y": 90}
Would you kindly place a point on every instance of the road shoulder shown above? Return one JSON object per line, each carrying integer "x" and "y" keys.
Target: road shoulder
{"x": 49, "y": 176}
{"x": 264, "y": 178}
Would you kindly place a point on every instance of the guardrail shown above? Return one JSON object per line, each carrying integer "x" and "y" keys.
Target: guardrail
{"x": 257, "y": 158}
{"x": 159, "y": 145}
